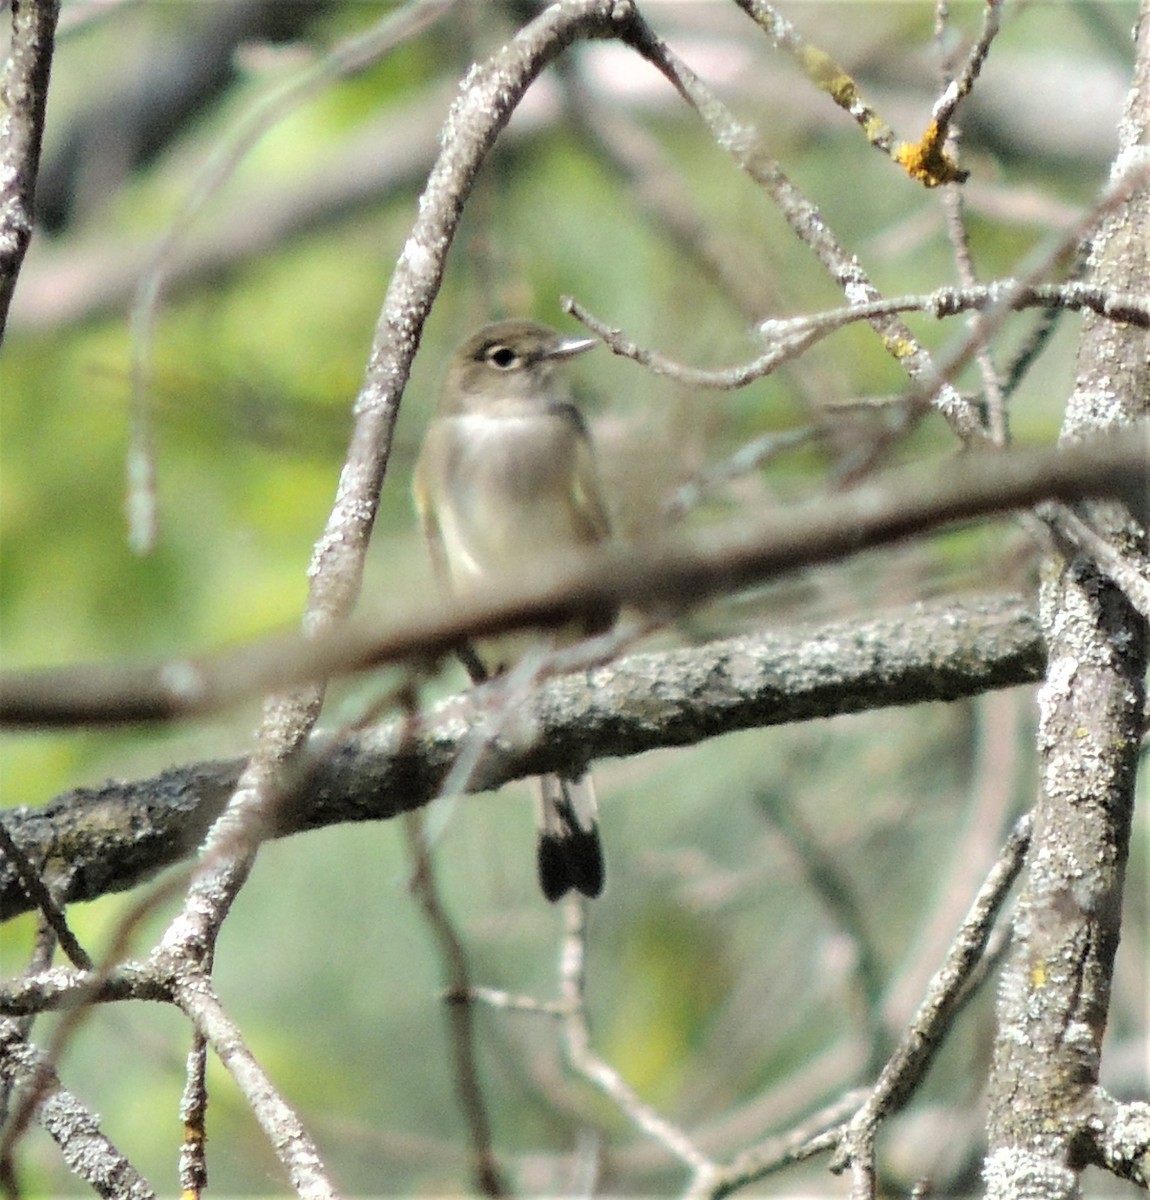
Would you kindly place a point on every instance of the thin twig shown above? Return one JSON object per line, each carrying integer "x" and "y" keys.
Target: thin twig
{"x": 293, "y": 1147}
{"x": 831, "y": 886}
{"x": 349, "y": 57}
{"x": 485, "y": 1166}
{"x": 954, "y": 207}
{"x": 750, "y": 457}
{"x": 513, "y": 1002}
{"x": 959, "y": 87}
{"x": 193, "y": 1163}
{"x": 88, "y": 1152}
{"x": 657, "y": 188}
{"x": 1118, "y": 190}
{"x": 662, "y": 579}
{"x": 997, "y": 424}
{"x": 1125, "y": 572}
{"x": 745, "y": 145}
{"x": 62, "y": 988}
{"x": 925, "y": 161}
{"x": 588, "y": 1064}
{"x": 23, "y": 100}
{"x": 792, "y": 336}
{"x": 923, "y": 1036}
{"x": 39, "y": 894}
{"x": 816, "y": 1134}
{"x": 92, "y": 983}
{"x": 994, "y": 779}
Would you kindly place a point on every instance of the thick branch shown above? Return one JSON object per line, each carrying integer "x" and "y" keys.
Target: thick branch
{"x": 117, "y": 835}
{"x": 1055, "y": 996}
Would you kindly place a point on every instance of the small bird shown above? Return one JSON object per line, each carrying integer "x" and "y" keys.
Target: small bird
{"x": 506, "y": 478}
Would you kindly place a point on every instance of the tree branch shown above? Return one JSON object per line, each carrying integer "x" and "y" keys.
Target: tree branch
{"x": 292, "y": 1145}
{"x": 23, "y": 99}
{"x": 1043, "y": 1126}
{"x": 85, "y": 1148}
{"x": 662, "y": 577}
{"x": 119, "y": 834}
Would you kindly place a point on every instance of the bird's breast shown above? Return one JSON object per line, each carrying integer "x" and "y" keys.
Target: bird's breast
{"x": 511, "y": 492}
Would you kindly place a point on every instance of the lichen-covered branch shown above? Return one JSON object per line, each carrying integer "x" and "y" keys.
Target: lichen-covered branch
{"x": 119, "y": 834}
{"x": 75, "y": 1129}
{"x": 1044, "y": 1123}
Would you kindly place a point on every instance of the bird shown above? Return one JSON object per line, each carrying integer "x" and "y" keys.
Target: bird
{"x": 506, "y": 478}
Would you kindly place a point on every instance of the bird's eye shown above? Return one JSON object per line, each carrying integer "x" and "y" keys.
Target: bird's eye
{"x": 502, "y": 357}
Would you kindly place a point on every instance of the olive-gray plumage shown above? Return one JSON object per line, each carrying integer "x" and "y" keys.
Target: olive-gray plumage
{"x": 506, "y": 480}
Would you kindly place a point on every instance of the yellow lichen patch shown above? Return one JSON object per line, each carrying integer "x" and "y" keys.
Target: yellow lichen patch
{"x": 1038, "y": 975}
{"x": 821, "y": 69}
{"x": 899, "y": 347}
{"x": 875, "y": 128}
{"x": 825, "y": 73}
{"x": 927, "y": 160}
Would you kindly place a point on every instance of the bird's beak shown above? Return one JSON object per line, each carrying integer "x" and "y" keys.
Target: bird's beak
{"x": 569, "y": 347}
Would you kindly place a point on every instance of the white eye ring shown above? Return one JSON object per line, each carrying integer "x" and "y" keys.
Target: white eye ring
{"x": 501, "y": 357}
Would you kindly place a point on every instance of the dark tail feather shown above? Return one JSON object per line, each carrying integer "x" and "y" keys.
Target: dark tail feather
{"x": 570, "y": 854}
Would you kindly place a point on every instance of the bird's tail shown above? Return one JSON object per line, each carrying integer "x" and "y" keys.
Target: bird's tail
{"x": 570, "y": 855}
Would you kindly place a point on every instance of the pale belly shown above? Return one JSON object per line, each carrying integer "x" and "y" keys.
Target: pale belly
{"x": 514, "y": 501}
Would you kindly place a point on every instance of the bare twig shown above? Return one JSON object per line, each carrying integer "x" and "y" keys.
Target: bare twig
{"x": 1127, "y": 180}
{"x": 588, "y": 1064}
{"x": 1027, "y": 352}
{"x": 744, "y": 144}
{"x": 955, "y": 209}
{"x": 23, "y": 98}
{"x": 485, "y": 1166}
{"x": 792, "y": 336}
{"x": 39, "y": 894}
{"x": 352, "y": 55}
{"x": 749, "y": 457}
{"x": 959, "y": 87}
{"x": 514, "y": 1002}
{"x": 632, "y": 153}
{"x": 922, "y": 1038}
{"x": 829, "y": 883}
{"x": 89, "y": 1153}
{"x": 995, "y": 772}
{"x": 195, "y": 996}
{"x": 1125, "y": 571}
{"x": 997, "y": 425}
{"x": 43, "y": 951}
{"x": 815, "y": 1135}
{"x": 193, "y": 1166}
{"x": 926, "y": 161}
{"x": 91, "y": 983}
{"x": 57, "y": 988}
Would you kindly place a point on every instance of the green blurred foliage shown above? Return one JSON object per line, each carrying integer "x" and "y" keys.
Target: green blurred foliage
{"x": 715, "y": 972}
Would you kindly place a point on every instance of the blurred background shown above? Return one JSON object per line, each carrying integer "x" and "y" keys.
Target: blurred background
{"x": 724, "y": 983}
